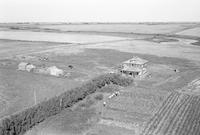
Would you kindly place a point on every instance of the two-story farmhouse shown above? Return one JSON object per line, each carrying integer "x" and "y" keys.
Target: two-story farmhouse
{"x": 134, "y": 67}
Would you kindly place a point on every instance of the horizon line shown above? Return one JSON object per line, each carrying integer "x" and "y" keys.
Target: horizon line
{"x": 91, "y": 22}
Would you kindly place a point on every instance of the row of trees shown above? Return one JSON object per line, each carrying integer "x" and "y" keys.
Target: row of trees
{"x": 19, "y": 123}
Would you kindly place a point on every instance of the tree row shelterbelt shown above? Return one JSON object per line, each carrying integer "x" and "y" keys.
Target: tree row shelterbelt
{"x": 18, "y": 124}
{"x": 179, "y": 115}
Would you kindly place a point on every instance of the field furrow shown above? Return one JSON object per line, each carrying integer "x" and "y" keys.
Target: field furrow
{"x": 179, "y": 116}
{"x": 189, "y": 120}
{"x": 164, "y": 109}
{"x": 182, "y": 129}
{"x": 172, "y": 121}
{"x": 166, "y": 115}
{"x": 152, "y": 120}
{"x": 184, "y": 116}
{"x": 194, "y": 119}
{"x": 197, "y": 125}
{"x": 178, "y": 119}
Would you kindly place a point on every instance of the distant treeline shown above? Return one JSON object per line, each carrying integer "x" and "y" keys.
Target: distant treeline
{"x": 18, "y": 124}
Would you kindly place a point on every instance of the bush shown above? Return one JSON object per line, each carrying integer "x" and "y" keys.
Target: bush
{"x": 87, "y": 103}
{"x": 99, "y": 97}
{"x": 109, "y": 88}
{"x": 18, "y": 124}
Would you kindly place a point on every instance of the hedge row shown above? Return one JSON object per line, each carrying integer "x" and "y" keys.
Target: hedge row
{"x": 18, "y": 124}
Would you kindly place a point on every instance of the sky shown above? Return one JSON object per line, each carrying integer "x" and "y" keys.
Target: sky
{"x": 99, "y": 10}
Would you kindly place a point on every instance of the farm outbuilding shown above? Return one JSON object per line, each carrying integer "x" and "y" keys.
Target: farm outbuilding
{"x": 134, "y": 67}
{"x": 55, "y": 71}
{"x": 30, "y": 67}
{"x": 41, "y": 71}
{"x": 22, "y": 66}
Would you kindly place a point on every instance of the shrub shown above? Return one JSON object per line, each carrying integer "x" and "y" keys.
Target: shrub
{"x": 87, "y": 103}
{"x": 109, "y": 88}
{"x": 99, "y": 97}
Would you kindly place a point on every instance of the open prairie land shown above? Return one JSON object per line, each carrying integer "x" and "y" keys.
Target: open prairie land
{"x": 168, "y": 94}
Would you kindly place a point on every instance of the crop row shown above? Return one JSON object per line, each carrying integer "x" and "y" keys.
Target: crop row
{"x": 179, "y": 115}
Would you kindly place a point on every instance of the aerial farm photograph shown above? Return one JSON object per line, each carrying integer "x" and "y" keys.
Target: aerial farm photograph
{"x": 99, "y": 67}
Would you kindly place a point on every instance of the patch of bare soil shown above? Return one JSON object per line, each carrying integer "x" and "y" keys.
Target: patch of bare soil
{"x": 129, "y": 126}
{"x": 161, "y": 39}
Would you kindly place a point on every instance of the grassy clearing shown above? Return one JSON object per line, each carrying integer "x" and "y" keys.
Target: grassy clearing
{"x": 67, "y": 122}
{"x": 18, "y": 88}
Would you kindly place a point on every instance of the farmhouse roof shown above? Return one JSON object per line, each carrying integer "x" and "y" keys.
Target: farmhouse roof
{"x": 136, "y": 60}
{"x": 131, "y": 69}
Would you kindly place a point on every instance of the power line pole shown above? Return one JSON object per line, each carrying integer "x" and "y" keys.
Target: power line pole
{"x": 35, "y": 99}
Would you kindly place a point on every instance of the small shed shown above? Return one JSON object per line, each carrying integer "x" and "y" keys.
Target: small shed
{"x": 55, "y": 71}
{"x": 22, "y": 66}
{"x": 30, "y": 67}
{"x": 41, "y": 71}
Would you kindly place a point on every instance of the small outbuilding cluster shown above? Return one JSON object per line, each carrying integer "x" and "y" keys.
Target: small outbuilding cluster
{"x": 23, "y": 66}
{"x": 53, "y": 70}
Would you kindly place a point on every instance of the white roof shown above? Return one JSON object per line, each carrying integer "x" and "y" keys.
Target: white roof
{"x": 55, "y": 71}
{"x": 23, "y": 64}
{"x": 135, "y": 60}
{"x": 54, "y": 68}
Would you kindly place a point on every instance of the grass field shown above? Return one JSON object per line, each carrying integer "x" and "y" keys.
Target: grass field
{"x": 55, "y": 37}
{"x": 191, "y": 32}
{"x": 134, "y": 28}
